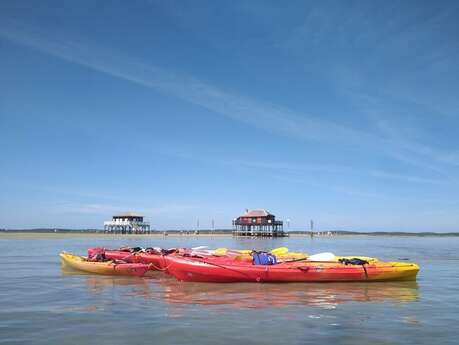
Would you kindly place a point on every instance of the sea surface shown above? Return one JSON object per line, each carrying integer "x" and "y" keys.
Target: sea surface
{"x": 40, "y": 303}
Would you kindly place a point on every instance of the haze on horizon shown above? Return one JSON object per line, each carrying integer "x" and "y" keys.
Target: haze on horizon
{"x": 341, "y": 112}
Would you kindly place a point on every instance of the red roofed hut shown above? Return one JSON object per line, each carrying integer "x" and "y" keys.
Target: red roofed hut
{"x": 258, "y": 222}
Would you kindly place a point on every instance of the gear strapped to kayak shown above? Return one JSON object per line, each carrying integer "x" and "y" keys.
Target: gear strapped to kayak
{"x": 131, "y": 249}
{"x": 353, "y": 261}
{"x": 97, "y": 255}
{"x": 263, "y": 258}
{"x": 356, "y": 261}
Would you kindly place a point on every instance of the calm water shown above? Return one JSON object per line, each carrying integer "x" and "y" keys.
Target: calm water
{"x": 41, "y": 304}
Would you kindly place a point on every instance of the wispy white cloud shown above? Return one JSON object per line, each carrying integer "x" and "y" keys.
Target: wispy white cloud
{"x": 390, "y": 62}
{"x": 403, "y": 135}
{"x": 297, "y": 172}
{"x": 86, "y": 208}
{"x": 108, "y": 209}
{"x": 266, "y": 116}
{"x": 298, "y": 169}
{"x": 405, "y": 178}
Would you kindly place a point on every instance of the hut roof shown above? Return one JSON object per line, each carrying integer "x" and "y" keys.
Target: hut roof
{"x": 257, "y": 213}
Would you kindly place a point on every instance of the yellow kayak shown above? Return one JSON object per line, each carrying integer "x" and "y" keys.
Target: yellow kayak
{"x": 107, "y": 267}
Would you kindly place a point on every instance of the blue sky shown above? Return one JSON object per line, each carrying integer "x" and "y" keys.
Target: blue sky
{"x": 345, "y": 112}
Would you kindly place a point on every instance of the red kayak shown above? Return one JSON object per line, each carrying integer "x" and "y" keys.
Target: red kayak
{"x": 225, "y": 270}
{"x": 156, "y": 261}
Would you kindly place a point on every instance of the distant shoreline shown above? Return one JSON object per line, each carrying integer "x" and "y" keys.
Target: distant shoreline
{"x": 219, "y": 233}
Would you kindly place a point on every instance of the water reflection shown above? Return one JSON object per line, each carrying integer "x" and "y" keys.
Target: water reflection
{"x": 247, "y": 295}
{"x": 96, "y": 284}
{"x": 159, "y": 286}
